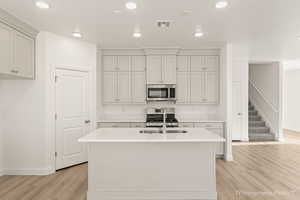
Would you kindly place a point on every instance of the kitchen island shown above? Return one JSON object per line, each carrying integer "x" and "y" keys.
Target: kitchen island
{"x": 127, "y": 163}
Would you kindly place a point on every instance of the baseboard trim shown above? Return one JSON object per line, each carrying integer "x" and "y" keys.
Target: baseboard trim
{"x": 173, "y": 194}
{"x": 28, "y": 172}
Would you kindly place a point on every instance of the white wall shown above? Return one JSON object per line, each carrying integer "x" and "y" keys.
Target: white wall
{"x": 29, "y": 104}
{"x": 266, "y": 78}
{"x": 291, "y": 100}
{"x": 265, "y": 92}
{"x": 1, "y": 141}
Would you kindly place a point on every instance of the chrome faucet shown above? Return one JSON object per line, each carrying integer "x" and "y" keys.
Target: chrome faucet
{"x": 164, "y": 121}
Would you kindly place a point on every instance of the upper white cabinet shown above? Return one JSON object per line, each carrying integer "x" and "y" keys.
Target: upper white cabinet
{"x": 161, "y": 69}
{"x": 116, "y": 63}
{"x": 6, "y": 48}
{"x": 124, "y": 79}
{"x": 23, "y": 57}
{"x": 16, "y": 54}
{"x": 198, "y": 79}
{"x": 204, "y": 63}
{"x": 138, "y": 63}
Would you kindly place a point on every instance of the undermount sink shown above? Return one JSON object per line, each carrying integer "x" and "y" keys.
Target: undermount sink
{"x": 161, "y": 131}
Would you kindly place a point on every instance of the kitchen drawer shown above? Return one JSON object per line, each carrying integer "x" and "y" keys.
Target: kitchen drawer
{"x": 186, "y": 125}
{"x": 209, "y": 125}
{"x": 113, "y": 125}
{"x": 138, "y": 125}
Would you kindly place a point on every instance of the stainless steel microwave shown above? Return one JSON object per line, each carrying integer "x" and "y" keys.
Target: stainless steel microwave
{"x": 157, "y": 92}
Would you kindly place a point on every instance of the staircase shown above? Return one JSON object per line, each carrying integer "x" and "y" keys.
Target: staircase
{"x": 258, "y": 131}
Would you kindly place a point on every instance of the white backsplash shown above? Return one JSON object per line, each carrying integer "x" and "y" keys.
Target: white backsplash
{"x": 137, "y": 112}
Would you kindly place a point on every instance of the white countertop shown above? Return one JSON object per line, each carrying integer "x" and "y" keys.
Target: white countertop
{"x": 133, "y": 135}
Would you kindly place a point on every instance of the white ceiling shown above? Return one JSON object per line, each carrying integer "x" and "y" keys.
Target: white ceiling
{"x": 269, "y": 27}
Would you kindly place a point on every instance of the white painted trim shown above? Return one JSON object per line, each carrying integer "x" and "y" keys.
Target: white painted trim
{"x": 148, "y": 194}
{"x": 161, "y": 51}
{"x": 16, "y": 24}
{"x": 122, "y": 52}
{"x": 195, "y": 52}
{"x": 228, "y": 62}
{"x": 25, "y": 172}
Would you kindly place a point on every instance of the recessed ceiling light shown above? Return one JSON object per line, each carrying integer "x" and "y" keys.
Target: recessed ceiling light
{"x": 137, "y": 34}
{"x": 221, "y": 4}
{"x": 131, "y": 5}
{"x": 116, "y": 11}
{"x": 299, "y": 37}
{"x": 42, "y": 4}
{"x": 77, "y": 35}
{"x": 198, "y": 34}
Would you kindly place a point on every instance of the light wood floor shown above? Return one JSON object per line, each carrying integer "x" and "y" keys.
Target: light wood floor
{"x": 259, "y": 172}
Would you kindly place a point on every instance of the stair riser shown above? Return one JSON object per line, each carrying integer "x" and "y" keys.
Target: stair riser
{"x": 254, "y": 118}
{"x": 252, "y": 113}
{"x": 257, "y": 124}
{"x": 259, "y": 130}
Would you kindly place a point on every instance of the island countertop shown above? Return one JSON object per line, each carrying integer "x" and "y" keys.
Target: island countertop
{"x": 134, "y": 135}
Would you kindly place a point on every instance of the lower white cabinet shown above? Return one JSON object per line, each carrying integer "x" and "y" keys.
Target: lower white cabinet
{"x": 17, "y": 53}
{"x": 216, "y": 128}
{"x": 121, "y": 125}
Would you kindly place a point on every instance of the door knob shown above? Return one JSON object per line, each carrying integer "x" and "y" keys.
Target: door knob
{"x": 239, "y": 114}
{"x": 87, "y": 121}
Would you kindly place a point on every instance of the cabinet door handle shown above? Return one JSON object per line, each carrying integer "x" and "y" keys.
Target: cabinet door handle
{"x": 87, "y": 121}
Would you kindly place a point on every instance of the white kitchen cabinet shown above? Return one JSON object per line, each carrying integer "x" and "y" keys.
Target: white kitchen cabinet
{"x": 6, "y": 50}
{"x": 124, "y": 80}
{"x": 169, "y": 69}
{"x": 183, "y": 87}
{"x": 161, "y": 69}
{"x": 204, "y": 63}
{"x": 110, "y": 87}
{"x": 113, "y": 125}
{"x": 17, "y": 53}
{"x": 123, "y": 63}
{"x": 183, "y": 63}
{"x": 138, "y": 87}
{"x": 216, "y": 128}
{"x": 116, "y": 63}
{"x": 116, "y": 87}
{"x": 197, "y": 79}
{"x": 211, "y": 87}
{"x": 138, "y": 63}
{"x": 197, "y": 87}
{"x": 124, "y": 87}
{"x": 110, "y": 63}
{"x": 154, "y": 70}
{"x": 23, "y": 57}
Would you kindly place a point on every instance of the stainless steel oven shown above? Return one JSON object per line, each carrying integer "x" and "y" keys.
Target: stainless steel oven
{"x": 161, "y": 92}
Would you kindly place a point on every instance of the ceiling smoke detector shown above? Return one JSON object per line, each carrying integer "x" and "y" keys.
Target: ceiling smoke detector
{"x": 163, "y": 24}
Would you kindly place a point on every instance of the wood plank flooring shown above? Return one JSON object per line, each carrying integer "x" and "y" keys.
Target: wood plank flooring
{"x": 259, "y": 172}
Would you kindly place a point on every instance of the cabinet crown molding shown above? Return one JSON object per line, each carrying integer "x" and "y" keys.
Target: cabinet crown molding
{"x": 16, "y": 24}
{"x": 162, "y": 51}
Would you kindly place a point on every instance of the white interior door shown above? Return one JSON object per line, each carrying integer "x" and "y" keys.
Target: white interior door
{"x": 237, "y": 126}
{"x": 72, "y": 117}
